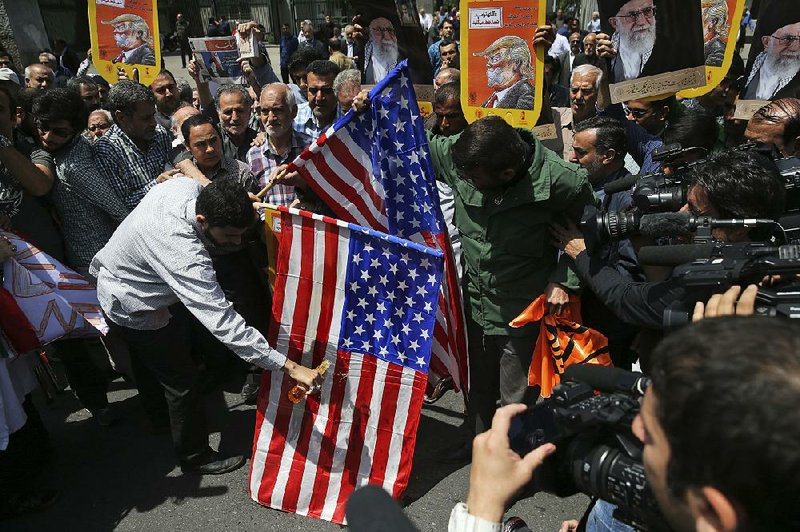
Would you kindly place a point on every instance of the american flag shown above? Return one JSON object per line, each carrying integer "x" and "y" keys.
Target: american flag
{"x": 366, "y": 302}
{"x": 374, "y": 169}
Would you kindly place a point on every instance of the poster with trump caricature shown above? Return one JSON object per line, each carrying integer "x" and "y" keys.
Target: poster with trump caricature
{"x": 773, "y": 66}
{"x": 125, "y": 36}
{"x": 658, "y": 47}
{"x": 500, "y": 62}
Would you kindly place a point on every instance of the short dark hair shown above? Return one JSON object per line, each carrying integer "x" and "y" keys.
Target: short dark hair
{"x": 447, "y": 92}
{"x": 165, "y": 72}
{"x": 322, "y": 67}
{"x": 225, "y": 203}
{"x": 611, "y": 134}
{"x": 692, "y": 128}
{"x": 76, "y": 83}
{"x": 491, "y": 144}
{"x": 741, "y": 184}
{"x": 335, "y": 44}
{"x": 730, "y": 414}
{"x": 197, "y": 120}
{"x": 550, "y": 60}
{"x": 12, "y": 96}
{"x": 61, "y": 104}
{"x": 447, "y": 42}
{"x": 125, "y": 95}
{"x": 785, "y": 111}
{"x": 302, "y": 58}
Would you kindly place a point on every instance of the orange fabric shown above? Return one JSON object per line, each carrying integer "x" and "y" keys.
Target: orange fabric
{"x": 562, "y": 342}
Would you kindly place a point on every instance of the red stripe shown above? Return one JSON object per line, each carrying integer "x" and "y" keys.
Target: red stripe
{"x": 345, "y": 157}
{"x": 328, "y": 446}
{"x": 355, "y": 446}
{"x": 410, "y": 435}
{"x": 261, "y": 407}
{"x": 312, "y": 404}
{"x": 389, "y": 394}
{"x": 298, "y": 329}
{"x": 284, "y": 246}
{"x": 16, "y": 325}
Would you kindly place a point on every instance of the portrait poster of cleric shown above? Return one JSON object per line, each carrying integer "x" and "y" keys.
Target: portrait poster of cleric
{"x": 773, "y": 66}
{"x": 500, "y": 62}
{"x": 720, "y": 33}
{"x": 391, "y": 35}
{"x": 124, "y": 35}
{"x": 658, "y": 44}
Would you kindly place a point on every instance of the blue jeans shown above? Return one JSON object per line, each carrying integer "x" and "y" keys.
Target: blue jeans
{"x": 601, "y": 519}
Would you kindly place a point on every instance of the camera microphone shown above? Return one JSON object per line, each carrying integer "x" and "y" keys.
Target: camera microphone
{"x": 607, "y": 379}
{"x": 673, "y": 255}
{"x": 620, "y": 185}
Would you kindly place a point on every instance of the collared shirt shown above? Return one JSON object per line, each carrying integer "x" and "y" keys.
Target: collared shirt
{"x": 86, "y": 204}
{"x": 159, "y": 256}
{"x": 129, "y": 171}
{"x": 263, "y": 159}
{"x": 233, "y": 169}
{"x": 127, "y": 55}
{"x": 232, "y": 151}
{"x": 306, "y": 122}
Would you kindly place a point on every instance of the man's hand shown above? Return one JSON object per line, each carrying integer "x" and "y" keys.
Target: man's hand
{"x": 727, "y": 305}
{"x": 122, "y": 75}
{"x": 282, "y": 176}
{"x": 194, "y": 70}
{"x": 89, "y": 54}
{"x": 308, "y": 378}
{"x": 260, "y": 139}
{"x": 361, "y": 101}
{"x": 556, "y": 297}
{"x": 166, "y": 176}
{"x": 246, "y": 27}
{"x": 497, "y": 471}
{"x": 605, "y": 48}
{"x": 358, "y": 29}
{"x": 569, "y": 526}
{"x": 568, "y": 239}
{"x": 545, "y": 36}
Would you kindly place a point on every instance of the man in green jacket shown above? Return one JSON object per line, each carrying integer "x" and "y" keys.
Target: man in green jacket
{"x": 508, "y": 189}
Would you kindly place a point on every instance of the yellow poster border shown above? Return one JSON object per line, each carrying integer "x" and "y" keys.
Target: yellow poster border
{"x": 518, "y": 118}
{"x": 147, "y": 73}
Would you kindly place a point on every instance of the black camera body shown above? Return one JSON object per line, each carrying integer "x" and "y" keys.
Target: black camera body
{"x": 596, "y": 451}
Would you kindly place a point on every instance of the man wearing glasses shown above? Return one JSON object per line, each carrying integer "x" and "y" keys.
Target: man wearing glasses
{"x": 634, "y": 37}
{"x": 774, "y": 71}
{"x": 382, "y": 53}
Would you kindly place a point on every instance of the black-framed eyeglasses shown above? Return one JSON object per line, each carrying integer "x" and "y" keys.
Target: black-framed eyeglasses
{"x": 787, "y": 40}
{"x": 588, "y": 91}
{"x": 95, "y": 127}
{"x": 636, "y": 113}
{"x": 647, "y": 12}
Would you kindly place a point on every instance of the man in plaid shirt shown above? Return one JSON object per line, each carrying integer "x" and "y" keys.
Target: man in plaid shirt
{"x": 282, "y": 144}
{"x": 133, "y": 152}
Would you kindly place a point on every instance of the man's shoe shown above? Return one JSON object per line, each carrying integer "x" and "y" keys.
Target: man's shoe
{"x": 515, "y": 524}
{"x": 214, "y": 465}
{"x": 460, "y": 454}
{"x": 439, "y": 390}
{"x": 250, "y": 393}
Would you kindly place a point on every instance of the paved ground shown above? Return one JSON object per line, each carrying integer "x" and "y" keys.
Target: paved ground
{"x": 121, "y": 478}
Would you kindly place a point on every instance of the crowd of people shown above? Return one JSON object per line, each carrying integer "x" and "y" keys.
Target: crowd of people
{"x": 148, "y": 192}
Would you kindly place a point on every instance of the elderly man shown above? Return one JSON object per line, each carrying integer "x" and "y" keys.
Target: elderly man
{"x": 589, "y": 55}
{"x": 282, "y": 144}
{"x": 774, "y": 73}
{"x": 381, "y": 52}
{"x": 777, "y": 123}
{"x": 133, "y": 37}
{"x": 99, "y": 122}
{"x": 509, "y": 73}
{"x": 39, "y": 76}
{"x": 352, "y": 47}
{"x": 311, "y": 41}
{"x": 346, "y": 87}
{"x": 715, "y": 30}
{"x": 584, "y": 89}
{"x": 634, "y": 37}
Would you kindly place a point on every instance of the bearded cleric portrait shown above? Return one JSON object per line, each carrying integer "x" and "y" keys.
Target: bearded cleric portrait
{"x": 773, "y": 67}
{"x": 388, "y": 40}
{"x": 654, "y": 38}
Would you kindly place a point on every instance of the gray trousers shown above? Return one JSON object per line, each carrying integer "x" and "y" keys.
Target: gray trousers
{"x": 498, "y": 367}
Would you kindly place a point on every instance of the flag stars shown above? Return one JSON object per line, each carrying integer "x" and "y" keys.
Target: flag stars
{"x": 432, "y": 278}
{"x": 370, "y": 318}
{"x": 402, "y": 285}
{"x": 390, "y": 296}
{"x": 424, "y": 334}
{"x": 418, "y": 317}
{"x": 404, "y": 258}
{"x": 383, "y": 351}
{"x": 374, "y": 263}
{"x": 357, "y": 259}
{"x": 398, "y": 312}
{"x": 347, "y": 343}
{"x": 395, "y": 339}
{"x": 383, "y": 112}
{"x": 365, "y": 345}
{"x": 428, "y": 307}
{"x": 405, "y": 328}
{"x": 413, "y": 344}
{"x": 384, "y": 280}
{"x": 421, "y": 290}
{"x": 401, "y": 356}
{"x": 386, "y": 253}
{"x": 409, "y": 301}
{"x": 398, "y": 145}
{"x": 387, "y": 323}
{"x": 365, "y": 275}
{"x": 372, "y": 291}
{"x": 362, "y": 302}
{"x": 378, "y": 334}
{"x": 351, "y": 314}
{"x": 393, "y": 268}
{"x": 381, "y": 306}
{"x": 413, "y": 274}
{"x": 421, "y": 361}
{"x": 358, "y": 330}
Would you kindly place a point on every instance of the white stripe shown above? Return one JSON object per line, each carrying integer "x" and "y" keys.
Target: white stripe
{"x": 312, "y": 322}
{"x": 343, "y": 435}
{"x": 357, "y": 186}
{"x": 399, "y": 428}
{"x": 282, "y": 346}
{"x": 365, "y": 159}
{"x": 371, "y": 432}
{"x": 335, "y": 194}
{"x": 324, "y": 414}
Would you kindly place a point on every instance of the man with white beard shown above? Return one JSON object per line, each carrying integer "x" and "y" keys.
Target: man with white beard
{"x": 634, "y": 38}
{"x": 508, "y": 73}
{"x": 774, "y": 73}
{"x": 381, "y": 53}
{"x": 282, "y": 145}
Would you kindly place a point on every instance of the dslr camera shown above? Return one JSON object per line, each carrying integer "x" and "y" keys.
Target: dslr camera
{"x": 596, "y": 451}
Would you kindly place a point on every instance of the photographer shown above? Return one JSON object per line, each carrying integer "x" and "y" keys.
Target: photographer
{"x": 731, "y": 184}
{"x": 719, "y": 426}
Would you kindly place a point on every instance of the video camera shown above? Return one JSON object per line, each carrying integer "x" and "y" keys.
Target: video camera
{"x": 713, "y": 267}
{"x": 596, "y": 451}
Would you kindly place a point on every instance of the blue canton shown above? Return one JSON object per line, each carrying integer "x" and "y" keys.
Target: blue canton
{"x": 391, "y": 294}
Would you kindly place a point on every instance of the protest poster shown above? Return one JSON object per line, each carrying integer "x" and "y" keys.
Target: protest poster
{"x": 720, "y": 32}
{"x": 773, "y": 66}
{"x": 124, "y": 36}
{"x": 504, "y": 71}
{"x": 217, "y": 58}
{"x": 659, "y": 47}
